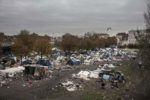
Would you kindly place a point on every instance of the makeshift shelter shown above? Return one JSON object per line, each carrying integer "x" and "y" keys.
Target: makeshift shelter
{"x": 35, "y": 70}
{"x": 6, "y": 49}
{"x": 43, "y": 62}
{"x": 9, "y": 60}
{"x": 73, "y": 61}
{"x": 26, "y": 62}
{"x": 110, "y": 75}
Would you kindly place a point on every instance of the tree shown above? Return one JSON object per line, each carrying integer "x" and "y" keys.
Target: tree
{"x": 89, "y": 41}
{"x": 19, "y": 49}
{"x": 42, "y": 46}
{"x": 69, "y": 42}
{"x": 144, "y": 40}
{"x": 142, "y": 86}
{"x": 111, "y": 41}
{"x": 23, "y": 43}
{"x": 2, "y": 37}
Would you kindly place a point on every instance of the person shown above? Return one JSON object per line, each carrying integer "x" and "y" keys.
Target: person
{"x": 140, "y": 64}
{"x": 115, "y": 83}
{"x": 29, "y": 83}
{"x": 103, "y": 85}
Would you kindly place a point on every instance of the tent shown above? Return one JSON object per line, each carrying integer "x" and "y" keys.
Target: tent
{"x": 35, "y": 70}
{"x": 43, "y": 62}
{"x": 26, "y": 62}
{"x": 73, "y": 61}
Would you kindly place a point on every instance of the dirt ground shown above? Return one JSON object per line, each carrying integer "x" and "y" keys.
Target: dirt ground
{"x": 50, "y": 89}
{"x": 47, "y": 88}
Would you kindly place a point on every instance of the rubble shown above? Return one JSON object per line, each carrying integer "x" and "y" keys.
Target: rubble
{"x": 73, "y": 61}
{"x": 82, "y": 74}
{"x": 87, "y": 75}
{"x": 11, "y": 72}
{"x": 71, "y": 86}
{"x": 60, "y": 62}
{"x": 110, "y": 75}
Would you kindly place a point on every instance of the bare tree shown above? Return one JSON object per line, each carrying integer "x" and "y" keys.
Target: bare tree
{"x": 144, "y": 40}
{"x": 42, "y": 46}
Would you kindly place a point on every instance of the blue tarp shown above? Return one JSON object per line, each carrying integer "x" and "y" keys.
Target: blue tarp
{"x": 26, "y": 62}
{"x": 106, "y": 77}
{"x": 73, "y": 62}
{"x": 43, "y": 62}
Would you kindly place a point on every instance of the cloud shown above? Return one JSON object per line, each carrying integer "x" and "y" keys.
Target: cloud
{"x": 75, "y": 16}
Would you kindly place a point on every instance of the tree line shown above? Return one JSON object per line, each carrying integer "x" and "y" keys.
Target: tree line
{"x": 87, "y": 42}
{"x": 26, "y": 43}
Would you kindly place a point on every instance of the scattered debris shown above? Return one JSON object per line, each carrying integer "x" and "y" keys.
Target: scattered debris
{"x": 110, "y": 75}
{"x": 71, "y": 86}
{"x": 82, "y": 74}
{"x": 86, "y": 75}
{"x": 11, "y": 72}
{"x": 36, "y": 68}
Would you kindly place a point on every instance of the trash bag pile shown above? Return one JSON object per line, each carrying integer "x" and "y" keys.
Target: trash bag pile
{"x": 39, "y": 67}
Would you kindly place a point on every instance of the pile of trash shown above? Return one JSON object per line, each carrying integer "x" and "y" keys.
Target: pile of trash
{"x": 82, "y": 74}
{"x": 106, "y": 74}
{"x": 90, "y": 57}
{"x": 11, "y": 72}
{"x": 73, "y": 61}
{"x": 27, "y": 69}
{"x": 71, "y": 86}
{"x": 87, "y": 75}
{"x": 109, "y": 75}
{"x": 37, "y": 67}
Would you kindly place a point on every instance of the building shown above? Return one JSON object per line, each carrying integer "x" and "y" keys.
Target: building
{"x": 133, "y": 34}
{"x": 129, "y": 38}
{"x": 99, "y": 35}
{"x": 122, "y": 38}
{"x": 103, "y": 35}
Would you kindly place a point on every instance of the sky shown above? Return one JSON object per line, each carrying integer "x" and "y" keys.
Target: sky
{"x": 71, "y": 16}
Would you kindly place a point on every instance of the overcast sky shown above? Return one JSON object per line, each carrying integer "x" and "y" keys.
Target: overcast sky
{"x": 73, "y": 16}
